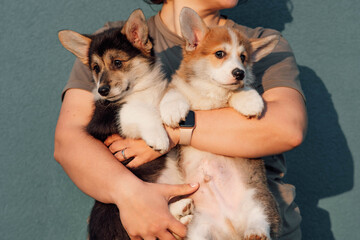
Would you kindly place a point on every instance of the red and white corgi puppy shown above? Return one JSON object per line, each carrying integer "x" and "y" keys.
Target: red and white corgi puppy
{"x": 233, "y": 201}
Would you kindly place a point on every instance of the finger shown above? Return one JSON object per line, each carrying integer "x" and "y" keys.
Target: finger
{"x": 127, "y": 152}
{"x": 180, "y": 189}
{"x": 177, "y": 228}
{"x": 150, "y": 238}
{"x": 166, "y": 235}
{"x": 117, "y": 146}
{"x": 135, "y": 238}
{"x": 112, "y": 138}
{"x": 136, "y": 162}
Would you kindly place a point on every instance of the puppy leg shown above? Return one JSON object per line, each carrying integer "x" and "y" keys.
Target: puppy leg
{"x": 255, "y": 218}
{"x": 248, "y": 102}
{"x": 201, "y": 228}
{"x": 143, "y": 121}
{"x": 173, "y": 108}
{"x": 256, "y": 237}
{"x": 182, "y": 210}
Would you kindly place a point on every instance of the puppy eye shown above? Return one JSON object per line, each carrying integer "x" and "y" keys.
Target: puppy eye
{"x": 220, "y": 54}
{"x": 118, "y": 63}
{"x": 242, "y": 57}
{"x": 96, "y": 68}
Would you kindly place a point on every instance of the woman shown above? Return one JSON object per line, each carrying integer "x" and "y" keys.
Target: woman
{"x": 143, "y": 206}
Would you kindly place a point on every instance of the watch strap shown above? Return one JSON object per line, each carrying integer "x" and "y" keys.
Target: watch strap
{"x": 185, "y": 135}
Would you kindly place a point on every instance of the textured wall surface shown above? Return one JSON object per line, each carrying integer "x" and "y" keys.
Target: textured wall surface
{"x": 38, "y": 201}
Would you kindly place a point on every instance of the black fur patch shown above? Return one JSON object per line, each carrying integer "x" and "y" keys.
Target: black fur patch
{"x": 104, "y": 122}
{"x": 103, "y": 223}
{"x": 114, "y": 39}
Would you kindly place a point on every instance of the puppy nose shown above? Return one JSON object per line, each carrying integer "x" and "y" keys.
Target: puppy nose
{"x": 104, "y": 90}
{"x": 238, "y": 74}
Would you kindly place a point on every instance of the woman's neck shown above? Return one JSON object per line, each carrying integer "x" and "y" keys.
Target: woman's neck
{"x": 170, "y": 13}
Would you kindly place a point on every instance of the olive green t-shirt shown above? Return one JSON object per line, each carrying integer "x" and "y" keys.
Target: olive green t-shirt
{"x": 278, "y": 69}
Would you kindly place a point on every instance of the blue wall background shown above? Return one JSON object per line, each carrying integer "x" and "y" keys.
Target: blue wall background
{"x": 38, "y": 201}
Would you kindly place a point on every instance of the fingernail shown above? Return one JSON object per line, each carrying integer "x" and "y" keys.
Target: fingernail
{"x": 193, "y": 185}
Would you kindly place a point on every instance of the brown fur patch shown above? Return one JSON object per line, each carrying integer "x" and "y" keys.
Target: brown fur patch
{"x": 113, "y": 54}
{"x": 256, "y": 237}
{"x": 246, "y": 43}
{"x": 96, "y": 60}
{"x": 257, "y": 180}
{"x": 215, "y": 40}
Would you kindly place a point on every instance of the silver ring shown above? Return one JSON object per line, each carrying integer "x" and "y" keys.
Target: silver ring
{"x": 123, "y": 154}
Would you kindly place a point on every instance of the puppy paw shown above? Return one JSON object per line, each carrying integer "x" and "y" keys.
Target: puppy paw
{"x": 186, "y": 219}
{"x": 172, "y": 113}
{"x": 157, "y": 139}
{"x": 182, "y": 210}
{"x": 256, "y": 237}
{"x": 173, "y": 108}
{"x": 248, "y": 102}
{"x": 259, "y": 231}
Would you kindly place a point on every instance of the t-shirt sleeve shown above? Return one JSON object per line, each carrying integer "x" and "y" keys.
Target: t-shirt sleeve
{"x": 80, "y": 77}
{"x": 279, "y": 68}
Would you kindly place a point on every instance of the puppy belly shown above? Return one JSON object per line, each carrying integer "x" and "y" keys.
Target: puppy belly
{"x": 171, "y": 174}
{"x": 222, "y": 185}
{"x": 224, "y": 201}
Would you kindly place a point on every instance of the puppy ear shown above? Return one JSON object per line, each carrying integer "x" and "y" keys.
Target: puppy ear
{"x": 76, "y": 43}
{"x": 263, "y": 46}
{"x": 192, "y": 27}
{"x": 137, "y": 32}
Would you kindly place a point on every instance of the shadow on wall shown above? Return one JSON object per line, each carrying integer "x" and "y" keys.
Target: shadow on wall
{"x": 322, "y": 166}
{"x": 265, "y": 13}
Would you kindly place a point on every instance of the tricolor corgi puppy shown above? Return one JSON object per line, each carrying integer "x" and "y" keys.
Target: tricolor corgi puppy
{"x": 233, "y": 201}
{"x": 129, "y": 87}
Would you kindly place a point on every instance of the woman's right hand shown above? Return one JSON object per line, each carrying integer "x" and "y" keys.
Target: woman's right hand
{"x": 145, "y": 214}
{"x": 137, "y": 148}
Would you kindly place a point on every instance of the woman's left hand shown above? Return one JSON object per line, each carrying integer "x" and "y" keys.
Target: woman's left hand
{"x": 137, "y": 148}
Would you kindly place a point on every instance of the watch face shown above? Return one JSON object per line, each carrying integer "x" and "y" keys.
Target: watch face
{"x": 189, "y": 121}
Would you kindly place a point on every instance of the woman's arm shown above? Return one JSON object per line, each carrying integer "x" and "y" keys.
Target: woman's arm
{"x": 92, "y": 167}
{"x": 80, "y": 154}
{"x": 281, "y": 128}
{"x": 226, "y": 132}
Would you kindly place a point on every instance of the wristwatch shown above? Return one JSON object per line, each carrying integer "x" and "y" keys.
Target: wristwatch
{"x": 186, "y": 128}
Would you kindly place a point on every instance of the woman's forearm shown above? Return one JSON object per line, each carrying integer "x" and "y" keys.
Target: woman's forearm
{"x": 91, "y": 166}
{"x": 87, "y": 161}
{"x": 227, "y": 132}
